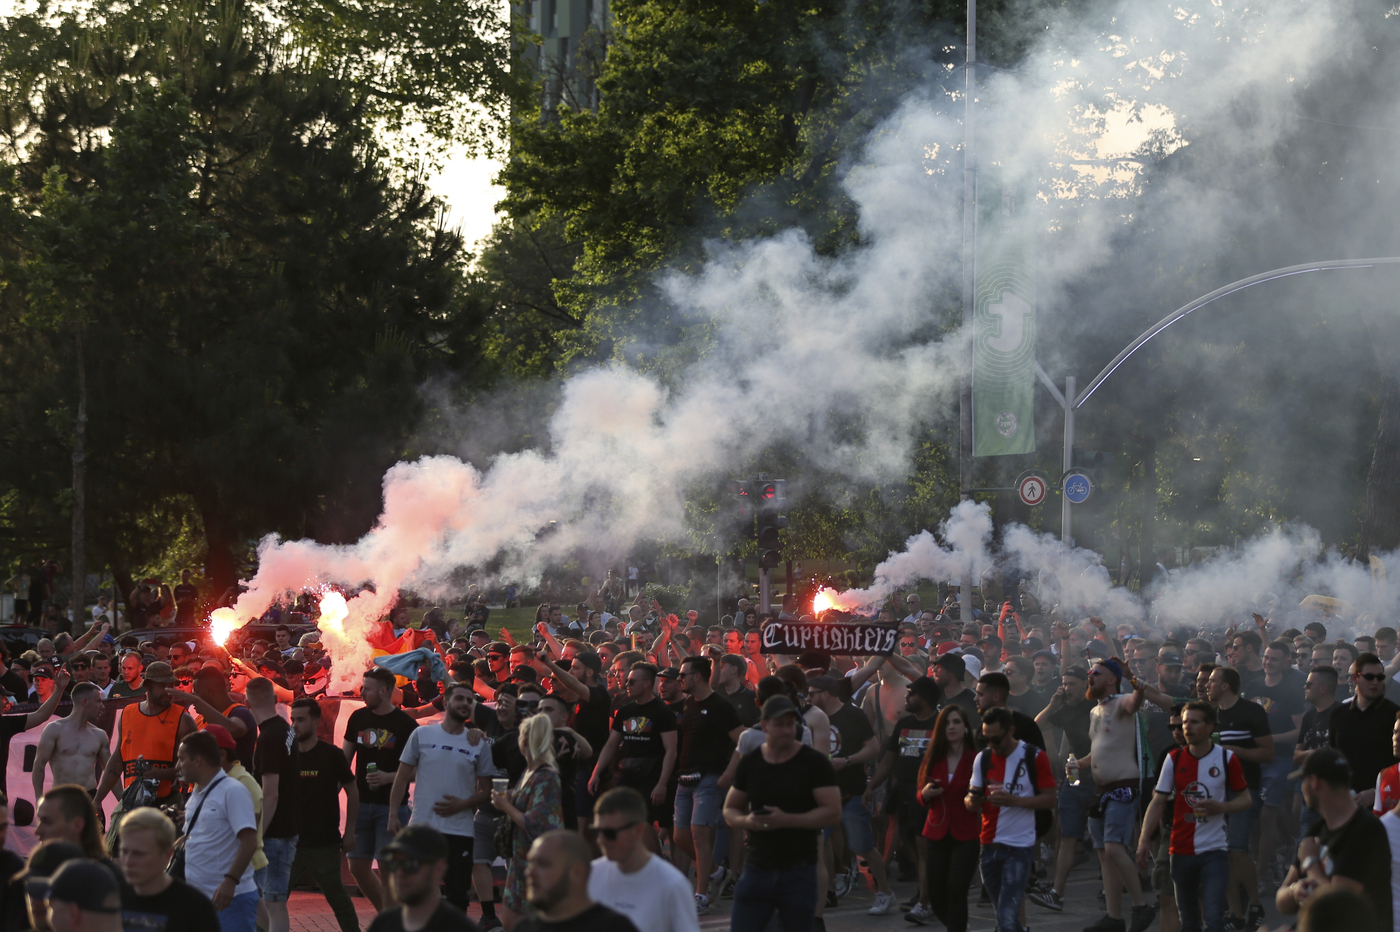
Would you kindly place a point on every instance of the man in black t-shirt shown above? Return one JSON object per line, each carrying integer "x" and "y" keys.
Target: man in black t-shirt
{"x": 900, "y": 760}
{"x": 556, "y": 885}
{"x": 374, "y": 738}
{"x": 732, "y": 685}
{"x": 416, "y": 863}
{"x": 853, "y": 743}
{"x": 784, "y": 794}
{"x": 1244, "y": 729}
{"x": 642, "y": 742}
{"x": 1069, "y": 711}
{"x": 152, "y": 899}
{"x": 1280, "y": 694}
{"x": 709, "y": 729}
{"x": 1346, "y": 846}
{"x": 1361, "y": 727}
{"x": 323, "y": 774}
{"x": 276, "y": 767}
{"x": 1320, "y": 692}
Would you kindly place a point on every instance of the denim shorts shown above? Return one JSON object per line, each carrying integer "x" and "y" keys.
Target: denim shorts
{"x": 1238, "y": 825}
{"x": 1273, "y": 781}
{"x": 1116, "y": 826}
{"x": 274, "y": 879}
{"x": 484, "y": 836}
{"x": 702, "y": 804}
{"x": 372, "y": 830}
{"x": 855, "y": 824}
{"x": 1074, "y": 804}
{"x": 240, "y": 915}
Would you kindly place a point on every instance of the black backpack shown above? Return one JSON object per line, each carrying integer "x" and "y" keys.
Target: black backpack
{"x": 1044, "y": 818}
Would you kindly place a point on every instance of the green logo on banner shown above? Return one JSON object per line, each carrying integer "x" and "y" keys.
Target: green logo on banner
{"x": 1003, "y": 359}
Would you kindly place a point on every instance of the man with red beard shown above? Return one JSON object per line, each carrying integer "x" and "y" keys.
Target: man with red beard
{"x": 1113, "y": 761}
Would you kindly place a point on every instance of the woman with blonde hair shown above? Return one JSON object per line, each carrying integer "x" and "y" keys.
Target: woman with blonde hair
{"x": 534, "y": 806}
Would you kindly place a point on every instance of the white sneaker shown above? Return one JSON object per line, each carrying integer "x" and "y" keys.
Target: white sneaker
{"x": 702, "y": 904}
{"x": 884, "y": 902}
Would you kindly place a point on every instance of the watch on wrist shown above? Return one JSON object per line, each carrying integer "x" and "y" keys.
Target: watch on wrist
{"x": 1307, "y": 864}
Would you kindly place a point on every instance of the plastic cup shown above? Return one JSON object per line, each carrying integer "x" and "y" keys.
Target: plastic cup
{"x": 500, "y": 784}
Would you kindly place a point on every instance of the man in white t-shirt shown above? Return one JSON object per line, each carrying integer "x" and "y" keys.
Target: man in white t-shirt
{"x": 221, "y": 834}
{"x": 444, "y": 762}
{"x": 630, "y": 879}
{"x": 1004, "y": 792}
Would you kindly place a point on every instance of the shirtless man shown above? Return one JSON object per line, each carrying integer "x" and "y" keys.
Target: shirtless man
{"x": 74, "y": 746}
{"x": 1113, "y": 760}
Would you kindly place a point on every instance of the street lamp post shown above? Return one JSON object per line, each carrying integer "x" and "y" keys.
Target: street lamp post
{"x": 1070, "y": 402}
{"x": 969, "y": 282}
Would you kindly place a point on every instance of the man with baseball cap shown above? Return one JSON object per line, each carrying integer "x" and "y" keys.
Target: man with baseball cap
{"x": 44, "y": 861}
{"x": 83, "y": 896}
{"x": 415, "y": 863}
{"x": 148, "y": 736}
{"x": 948, "y": 672}
{"x": 853, "y": 741}
{"x": 1346, "y": 848}
{"x": 784, "y": 793}
{"x": 899, "y": 762}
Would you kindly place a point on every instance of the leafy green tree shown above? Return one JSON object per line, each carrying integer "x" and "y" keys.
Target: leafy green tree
{"x": 262, "y": 303}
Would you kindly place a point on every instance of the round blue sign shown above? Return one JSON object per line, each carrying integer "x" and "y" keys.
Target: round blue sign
{"x": 1078, "y": 488}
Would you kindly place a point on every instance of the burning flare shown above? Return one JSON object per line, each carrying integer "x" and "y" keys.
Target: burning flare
{"x": 333, "y": 613}
{"x": 822, "y": 602}
{"x": 222, "y": 621}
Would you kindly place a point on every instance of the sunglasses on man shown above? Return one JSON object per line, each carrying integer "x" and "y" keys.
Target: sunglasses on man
{"x": 611, "y": 833}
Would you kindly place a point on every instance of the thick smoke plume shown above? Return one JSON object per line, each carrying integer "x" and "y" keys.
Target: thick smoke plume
{"x": 801, "y": 344}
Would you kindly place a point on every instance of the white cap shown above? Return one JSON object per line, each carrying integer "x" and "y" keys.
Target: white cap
{"x": 973, "y": 665}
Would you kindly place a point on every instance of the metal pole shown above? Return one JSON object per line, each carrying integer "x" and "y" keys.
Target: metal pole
{"x": 1068, "y": 460}
{"x": 719, "y": 587}
{"x": 969, "y": 281}
{"x": 764, "y": 591}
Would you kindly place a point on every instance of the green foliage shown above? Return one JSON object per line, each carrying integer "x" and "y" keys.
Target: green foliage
{"x": 260, "y": 302}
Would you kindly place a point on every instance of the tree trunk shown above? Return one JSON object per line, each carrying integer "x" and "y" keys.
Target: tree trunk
{"x": 219, "y": 566}
{"x": 1147, "y": 557}
{"x": 1380, "y": 524}
{"x": 79, "y": 595}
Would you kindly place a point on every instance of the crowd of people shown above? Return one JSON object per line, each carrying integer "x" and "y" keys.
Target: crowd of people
{"x": 631, "y": 767}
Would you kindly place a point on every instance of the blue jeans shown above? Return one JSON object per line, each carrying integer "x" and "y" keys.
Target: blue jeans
{"x": 1005, "y": 871}
{"x": 241, "y": 915}
{"x": 1203, "y": 876}
{"x": 759, "y": 891}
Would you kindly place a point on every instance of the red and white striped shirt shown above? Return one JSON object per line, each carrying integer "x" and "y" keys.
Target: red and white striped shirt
{"x": 1012, "y": 827}
{"x": 1192, "y": 781}
{"x": 1387, "y": 789}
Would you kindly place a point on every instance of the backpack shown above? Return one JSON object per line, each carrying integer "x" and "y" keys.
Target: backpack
{"x": 1044, "y": 818}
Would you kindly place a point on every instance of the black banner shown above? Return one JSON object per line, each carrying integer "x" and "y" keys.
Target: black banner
{"x": 860, "y": 639}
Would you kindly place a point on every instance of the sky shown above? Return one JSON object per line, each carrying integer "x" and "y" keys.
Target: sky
{"x": 465, "y": 185}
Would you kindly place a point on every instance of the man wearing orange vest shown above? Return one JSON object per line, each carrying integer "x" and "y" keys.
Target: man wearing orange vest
{"x": 148, "y": 734}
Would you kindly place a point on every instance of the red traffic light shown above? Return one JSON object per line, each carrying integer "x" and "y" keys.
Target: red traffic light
{"x": 768, "y": 491}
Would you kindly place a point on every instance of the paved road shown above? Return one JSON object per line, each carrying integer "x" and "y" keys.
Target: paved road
{"x": 310, "y": 913}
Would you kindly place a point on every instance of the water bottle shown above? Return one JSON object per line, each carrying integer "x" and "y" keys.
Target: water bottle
{"x": 1072, "y": 771}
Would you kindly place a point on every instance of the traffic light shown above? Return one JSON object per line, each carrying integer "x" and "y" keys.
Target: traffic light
{"x": 772, "y": 499}
{"x": 743, "y": 496}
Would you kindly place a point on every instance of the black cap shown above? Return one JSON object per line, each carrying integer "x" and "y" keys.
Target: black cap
{"x": 1329, "y": 764}
{"x": 47, "y": 858}
{"x": 927, "y": 689}
{"x": 953, "y": 663}
{"x": 777, "y": 707}
{"x": 87, "y": 884}
{"x": 422, "y": 842}
{"x": 669, "y": 673}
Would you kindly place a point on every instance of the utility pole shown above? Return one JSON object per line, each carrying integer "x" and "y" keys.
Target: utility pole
{"x": 969, "y": 283}
{"x": 79, "y": 544}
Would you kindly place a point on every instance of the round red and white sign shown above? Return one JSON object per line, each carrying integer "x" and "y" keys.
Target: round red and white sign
{"x": 1032, "y": 489}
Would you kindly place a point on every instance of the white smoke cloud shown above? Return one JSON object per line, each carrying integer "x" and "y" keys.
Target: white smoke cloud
{"x": 801, "y": 342}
